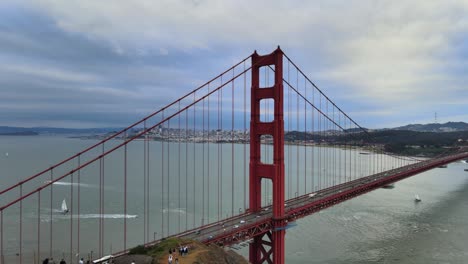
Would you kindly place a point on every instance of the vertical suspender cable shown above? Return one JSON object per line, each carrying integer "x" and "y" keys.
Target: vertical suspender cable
{"x": 244, "y": 137}
{"x": 221, "y": 145}
{"x": 71, "y": 218}
{"x": 342, "y": 137}
{"x": 266, "y": 151}
{"x": 168, "y": 176}
{"x": 338, "y": 146}
{"x": 218, "y": 132}
{"x": 125, "y": 194}
{"x": 21, "y": 226}
{"x": 346, "y": 150}
{"x": 2, "y": 258}
{"x": 194, "y": 160}
{"x": 38, "y": 228}
{"x": 51, "y": 206}
{"x": 100, "y": 207}
{"x": 289, "y": 131}
{"x": 232, "y": 146}
{"x": 297, "y": 126}
{"x": 203, "y": 163}
{"x": 147, "y": 186}
{"x": 335, "y": 135}
{"x": 348, "y": 147}
{"x": 208, "y": 159}
{"x": 103, "y": 209}
{"x": 161, "y": 134}
{"x": 305, "y": 138}
{"x": 178, "y": 187}
{"x": 355, "y": 156}
{"x": 186, "y": 168}
{"x": 319, "y": 124}
{"x": 145, "y": 232}
{"x": 78, "y": 207}
{"x": 313, "y": 142}
{"x": 327, "y": 136}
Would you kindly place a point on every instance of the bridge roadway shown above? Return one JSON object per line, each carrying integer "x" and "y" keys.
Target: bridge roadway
{"x": 244, "y": 226}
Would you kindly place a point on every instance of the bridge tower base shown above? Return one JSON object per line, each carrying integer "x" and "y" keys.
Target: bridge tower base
{"x": 268, "y": 247}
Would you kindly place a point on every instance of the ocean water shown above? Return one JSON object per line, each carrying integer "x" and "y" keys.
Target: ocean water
{"x": 384, "y": 226}
{"x": 387, "y": 226}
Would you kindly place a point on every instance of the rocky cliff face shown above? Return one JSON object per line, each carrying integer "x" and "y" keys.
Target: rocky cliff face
{"x": 215, "y": 254}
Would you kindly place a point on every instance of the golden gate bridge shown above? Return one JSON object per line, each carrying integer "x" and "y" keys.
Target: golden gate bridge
{"x": 237, "y": 159}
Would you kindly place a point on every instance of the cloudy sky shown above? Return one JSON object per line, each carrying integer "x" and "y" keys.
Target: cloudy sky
{"x": 107, "y": 62}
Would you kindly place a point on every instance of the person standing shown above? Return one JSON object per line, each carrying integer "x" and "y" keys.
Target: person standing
{"x": 81, "y": 261}
{"x": 170, "y": 259}
{"x": 62, "y": 261}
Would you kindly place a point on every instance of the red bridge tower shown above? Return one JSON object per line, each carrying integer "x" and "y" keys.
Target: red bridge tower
{"x": 268, "y": 247}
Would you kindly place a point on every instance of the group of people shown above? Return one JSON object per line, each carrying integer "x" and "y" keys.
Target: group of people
{"x": 51, "y": 261}
{"x": 183, "y": 250}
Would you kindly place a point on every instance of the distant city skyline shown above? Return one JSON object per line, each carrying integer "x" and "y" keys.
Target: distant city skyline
{"x": 79, "y": 64}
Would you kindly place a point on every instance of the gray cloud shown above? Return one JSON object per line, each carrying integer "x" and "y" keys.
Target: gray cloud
{"x": 376, "y": 57}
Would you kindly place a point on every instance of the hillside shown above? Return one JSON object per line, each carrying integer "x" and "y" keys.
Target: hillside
{"x": 54, "y": 130}
{"x": 436, "y": 127}
{"x": 198, "y": 254}
{"x": 396, "y": 141}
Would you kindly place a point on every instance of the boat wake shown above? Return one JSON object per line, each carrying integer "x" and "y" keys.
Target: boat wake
{"x": 60, "y": 183}
{"x": 46, "y": 218}
{"x": 112, "y": 216}
{"x": 175, "y": 211}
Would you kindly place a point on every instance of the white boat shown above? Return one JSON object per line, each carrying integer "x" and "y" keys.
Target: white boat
{"x": 64, "y": 207}
{"x": 417, "y": 198}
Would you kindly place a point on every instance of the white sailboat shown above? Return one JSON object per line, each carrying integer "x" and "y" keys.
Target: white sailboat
{"x": 64, "y": 207}
{"x": 417, "y": 198}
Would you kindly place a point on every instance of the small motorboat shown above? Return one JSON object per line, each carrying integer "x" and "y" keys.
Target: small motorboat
{"x": 389, "y": 186}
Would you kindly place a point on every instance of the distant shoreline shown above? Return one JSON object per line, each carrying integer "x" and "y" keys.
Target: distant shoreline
{"x": 20, "y": 133}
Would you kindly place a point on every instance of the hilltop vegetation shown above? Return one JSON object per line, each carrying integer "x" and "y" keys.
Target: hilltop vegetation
{"x": 395, "y": 141}
{"x": 436, "y": 127}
